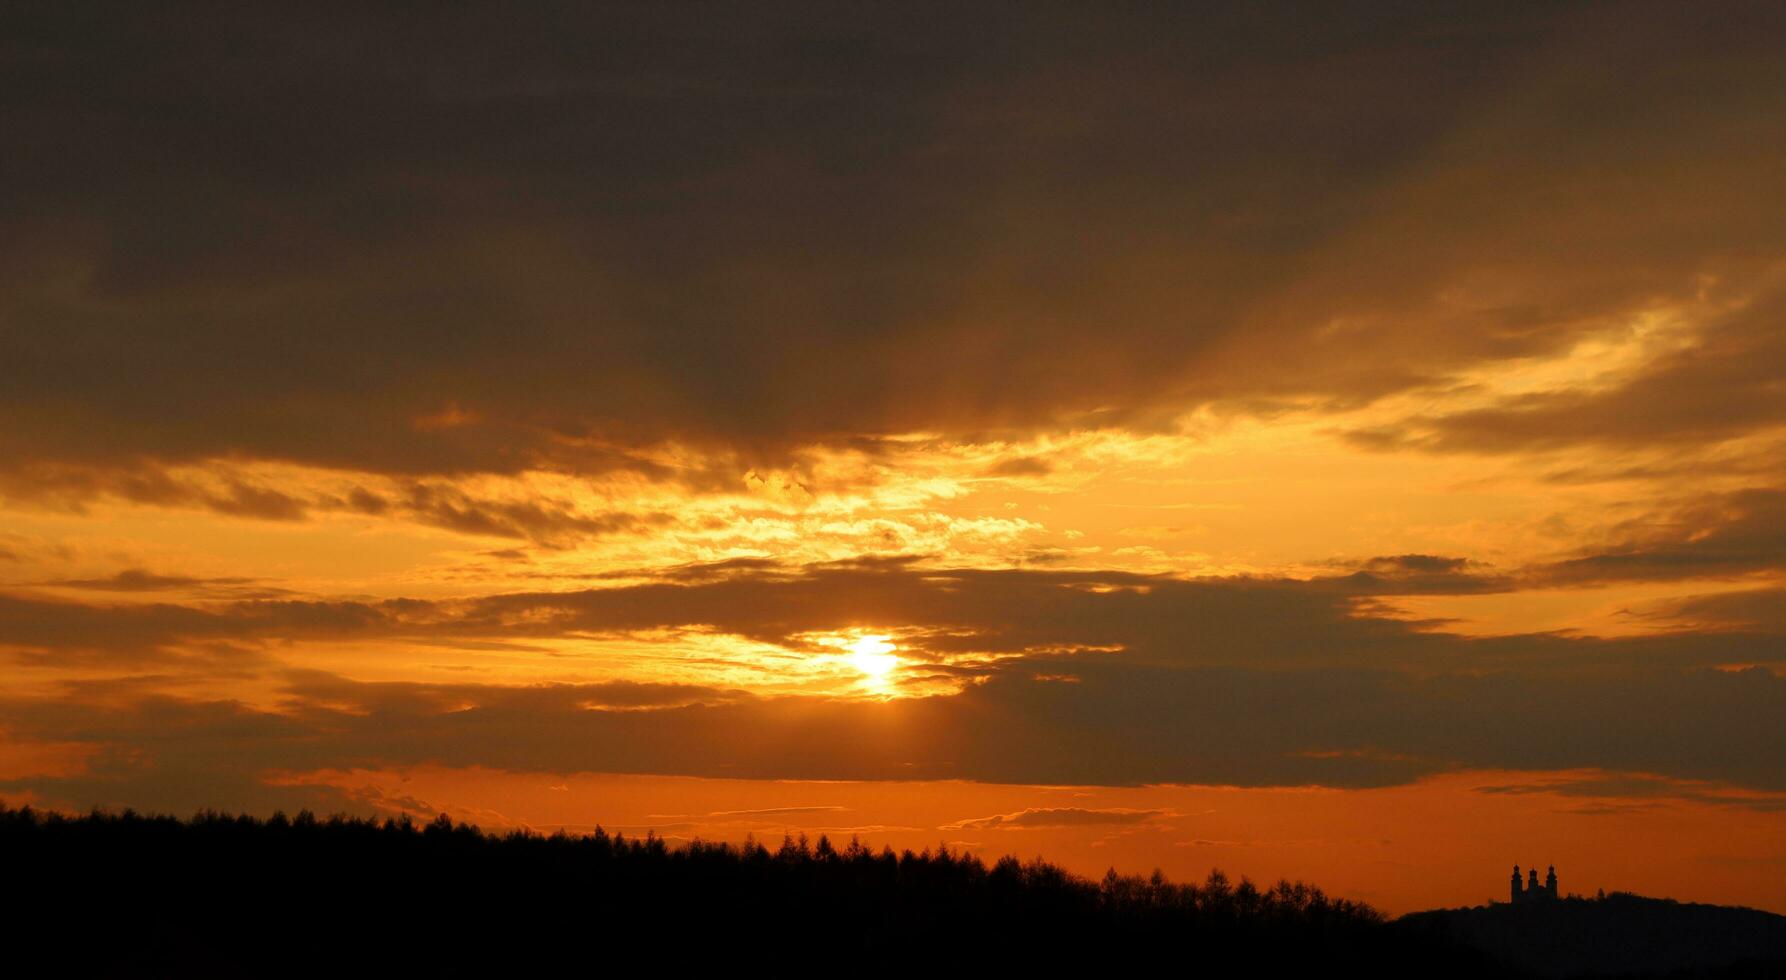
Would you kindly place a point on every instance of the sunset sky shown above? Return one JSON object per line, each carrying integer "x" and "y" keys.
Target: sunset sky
{"x": 1333, "y": 441}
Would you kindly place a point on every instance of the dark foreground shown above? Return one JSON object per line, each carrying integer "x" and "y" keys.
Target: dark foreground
{"x": 1620, "y": 934}
{"x": 217, "y": 895}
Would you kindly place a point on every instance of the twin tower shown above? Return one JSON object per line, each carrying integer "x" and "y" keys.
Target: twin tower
{"x": 1535, "y": 892}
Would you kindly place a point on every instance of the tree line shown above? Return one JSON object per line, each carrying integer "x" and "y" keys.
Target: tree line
{"x": 220, "y": 893}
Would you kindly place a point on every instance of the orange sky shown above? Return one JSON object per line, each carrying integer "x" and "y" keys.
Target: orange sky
{"x": 1333, "y": 445}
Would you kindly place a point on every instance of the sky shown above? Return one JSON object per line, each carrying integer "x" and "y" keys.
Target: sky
{"x": 1336, "y": 441}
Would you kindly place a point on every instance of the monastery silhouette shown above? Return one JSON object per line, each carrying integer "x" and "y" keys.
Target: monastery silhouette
{"x": 1535, "y": 892}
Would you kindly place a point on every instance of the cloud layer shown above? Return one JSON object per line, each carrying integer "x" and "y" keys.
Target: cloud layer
{"x": 495, "y": 241}
{"x": 1047, "y": 677}
{"x": 1263, "y": 395}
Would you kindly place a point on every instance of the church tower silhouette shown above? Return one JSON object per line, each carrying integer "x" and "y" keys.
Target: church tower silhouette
{"x": 1530, "y": 890}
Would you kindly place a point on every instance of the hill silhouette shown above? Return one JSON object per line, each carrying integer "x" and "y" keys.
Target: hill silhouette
{"x": 133, "y": 895}
{"x": 1619, "y": 934}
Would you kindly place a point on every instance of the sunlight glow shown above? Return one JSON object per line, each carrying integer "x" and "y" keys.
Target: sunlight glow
{"x": 873, "y": 656}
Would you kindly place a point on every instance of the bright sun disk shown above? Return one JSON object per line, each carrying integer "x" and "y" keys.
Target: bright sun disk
{"x": 873, "y": 656}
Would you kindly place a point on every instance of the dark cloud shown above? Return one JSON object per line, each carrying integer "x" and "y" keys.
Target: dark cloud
{"x": 42, "y": 626}
{"x": 976, "y": 610}
{"x": 544, "y": 520}
{"x": 1724, "y": 386}
{"x": 1643, "y": 786}
{"x": 1388, "y": 575}
{"x": 402, "y": 696}
{"x": 243, "y": 500}
{"x": 55, "y": 632}
{"x": 492, "y": 239}
{"x": 547, "y": 522}
{"x": 186, "y": 779}
{"x": 1236, "y": 681}
{"x": 72, "y": 487}
{"x": 1716, "y": 536}
{"x": 1416, "y": 563}
{"x": 1150, "y": 619}
{"x": 1758, "y": 610}
{"x": 141, "y": 580}
{"x": 1021, "y": 466}
{"x": 1122, "y": 725}
{"x": 366, "y": 502}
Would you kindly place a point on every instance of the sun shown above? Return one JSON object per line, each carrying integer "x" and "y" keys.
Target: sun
{"x": 873, "y": 656}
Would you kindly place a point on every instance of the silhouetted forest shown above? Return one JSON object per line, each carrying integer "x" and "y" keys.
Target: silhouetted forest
{"x": 132, "y": 895}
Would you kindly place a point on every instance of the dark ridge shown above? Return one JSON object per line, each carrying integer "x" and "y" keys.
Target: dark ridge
{"x": 128, "y": 894}
{"x": 1618, "y": 934}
